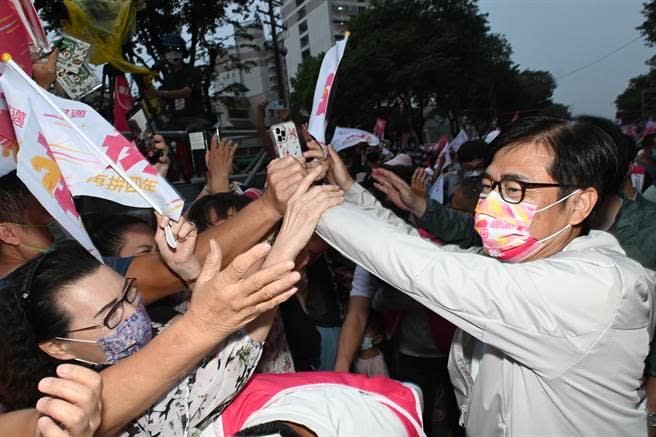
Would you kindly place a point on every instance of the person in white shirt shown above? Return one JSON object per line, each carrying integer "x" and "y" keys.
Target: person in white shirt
{"x": 555, "y": 320}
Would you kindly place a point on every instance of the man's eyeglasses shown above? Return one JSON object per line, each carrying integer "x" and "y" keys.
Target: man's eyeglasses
{"x": 513, "y": 190}
{"x": 115, "y": 314}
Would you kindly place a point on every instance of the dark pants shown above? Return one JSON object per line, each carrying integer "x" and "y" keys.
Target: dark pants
{"x": 432, "y": 376}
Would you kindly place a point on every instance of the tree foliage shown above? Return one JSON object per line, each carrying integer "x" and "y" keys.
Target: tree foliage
{"x": 199, "y": 21}
{"x": 630, "y": 103}
{"x": 648, "y": 27}
{"x": 415, "y": 58}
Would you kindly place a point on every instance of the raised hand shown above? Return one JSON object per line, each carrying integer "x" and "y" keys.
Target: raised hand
{"x": 72, "y": 406}
{"x": 283, "y": 177}
{"x": 45, "y": 73}
{"x": 418, "y": 182}
{"x": 399, "y": 192}
{"x": 182, "y": 259}
{"x": 226, "y": 301}
{"x": 220, "y": 162}
{"x": 303, "y": 212}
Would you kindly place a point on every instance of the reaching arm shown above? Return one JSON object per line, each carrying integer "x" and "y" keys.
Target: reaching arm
{"x": 223, "y": 303}
{"x": 450, "y": 226}
{"x": 350, "y": 338}
{"x": 20, "y": 423}
{"x": 525, "y": 310}
{"x": 234, "y": 236}
{"x": 182, "y": 93}
{"x": 302, "y": 215}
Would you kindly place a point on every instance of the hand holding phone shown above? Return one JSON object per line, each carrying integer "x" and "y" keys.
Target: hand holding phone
{"x": 285, "y": 137}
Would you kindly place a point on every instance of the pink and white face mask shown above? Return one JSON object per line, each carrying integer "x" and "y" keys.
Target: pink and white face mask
{"x": 504, "y": 227}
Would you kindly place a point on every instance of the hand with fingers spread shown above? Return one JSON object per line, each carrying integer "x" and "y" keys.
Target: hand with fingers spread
{"x": 73, "y": 403}
{"x": 220, "y": 161}
{"x": 419, "y": 182}
{"x": 226, "y": 301}
{"x": 182, "y": 259}
{"x": 45, "y": 73}
{"x": 399, "y": 192}
{"x": 283, "y": 177}
{"x": 302, "y": 215}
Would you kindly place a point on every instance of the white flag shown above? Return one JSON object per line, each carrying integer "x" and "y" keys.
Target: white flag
{"x": 454, "y": 145}
{"x": 84, "y": 162}
{"x": 345, "y": 137}
{"x": 40, "y": 173}
{"x": 8, "y": 143}
{"x": 329, "y": 65}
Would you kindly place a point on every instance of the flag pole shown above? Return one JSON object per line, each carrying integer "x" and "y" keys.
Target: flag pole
{"x": 7, "y": 59}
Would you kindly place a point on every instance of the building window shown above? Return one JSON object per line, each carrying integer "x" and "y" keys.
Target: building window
{"x": 301, "y": 13}
{"x": 305, "y": 53}
{"x": 302, "y": 27}
{"x": 304, "y": 41}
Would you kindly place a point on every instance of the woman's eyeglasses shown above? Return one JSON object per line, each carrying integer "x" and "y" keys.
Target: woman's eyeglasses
{"x": 115, "y": 314}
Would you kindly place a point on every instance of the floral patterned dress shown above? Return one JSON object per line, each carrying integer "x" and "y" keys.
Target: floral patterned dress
{"x": 202, "y": 395}
{"x": 276, "y": 356}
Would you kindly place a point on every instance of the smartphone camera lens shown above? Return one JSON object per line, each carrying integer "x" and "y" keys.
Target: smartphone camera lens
{"x": 279, "y": 138}
{"x": 277, "y": 130}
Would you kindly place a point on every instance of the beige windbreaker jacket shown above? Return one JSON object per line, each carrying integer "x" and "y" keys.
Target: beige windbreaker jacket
{"x": 565, "y": 338}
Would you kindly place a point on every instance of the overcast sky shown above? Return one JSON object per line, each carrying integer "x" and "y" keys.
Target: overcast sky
{"x": 563, "y": 35}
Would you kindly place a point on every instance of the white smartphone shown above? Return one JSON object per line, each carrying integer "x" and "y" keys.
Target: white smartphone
{"x": 285, "y": 137}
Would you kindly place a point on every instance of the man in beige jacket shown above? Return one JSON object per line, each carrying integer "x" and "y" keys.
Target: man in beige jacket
{"x": 555, "y": 330}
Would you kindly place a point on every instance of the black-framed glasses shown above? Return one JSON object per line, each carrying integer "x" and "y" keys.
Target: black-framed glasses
{"x": 513, "y": 190}
{"x": 27, "y": 287}
{"x": 115, "y": 314}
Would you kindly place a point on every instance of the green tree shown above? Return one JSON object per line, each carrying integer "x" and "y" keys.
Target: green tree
{"x": 630, "y": 103}
{"x": 410, "y": 59}
{"x": 199, "y": 20}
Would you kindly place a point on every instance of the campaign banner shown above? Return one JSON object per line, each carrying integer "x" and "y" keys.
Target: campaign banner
{"x": 327, "y": 74}
{"x": 93, "y": 157}
{"x": 38, "y": 170}
{"x": 345, "y": 137}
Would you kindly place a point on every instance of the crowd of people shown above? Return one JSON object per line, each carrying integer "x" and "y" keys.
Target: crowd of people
{"x": 344, "y": 298}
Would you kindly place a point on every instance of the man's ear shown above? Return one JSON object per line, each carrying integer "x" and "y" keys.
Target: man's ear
{"x": 8, "y": 234}
{"x": 56, "y": 349}
{"x": 582, "y": 205}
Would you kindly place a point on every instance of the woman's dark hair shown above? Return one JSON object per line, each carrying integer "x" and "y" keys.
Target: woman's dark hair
{"x": 268, "y": 429}
{"x": 585, "y": 154}
{"x": 31, "y": 316}
{"x": 107, "y": 231}
{"x": 221, "y": 203}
